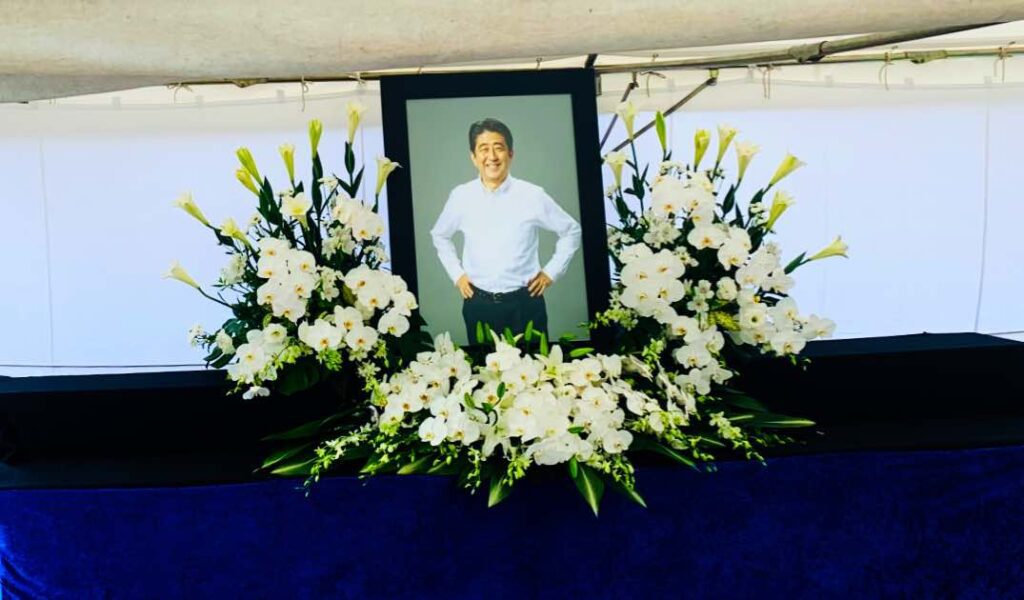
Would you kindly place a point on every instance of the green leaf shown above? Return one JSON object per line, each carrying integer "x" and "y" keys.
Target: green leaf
{"x": 771, "y": 421}
{"x": 652, "y": 445}
{"x": 444, "y": 469}
{"x": 280, "y": 455}
{"x": 659, "y": 127}
{"x": 578, "y": 352}
{"x": 509, "y": 338}
{"x": 543, "y": 344}
{"x": 730, "y": 200}
{"x": 574, "y": 468}
{"x": 371, "y": 463}
{"x": 222, "y": 361}
{"x": 499, "y": 491}
{"x": 297, "y": 468}
{"x": 303, "y": 375}
{"x": 744, "y": 401}
{"x": 306, "y": 430}
{"x": 629, "y": 492}
{"x": 796, "y": 262}
{"x": 315, "y": 187}
{"x": 357, "y": 181}
{"x": 350, "y": 159}
{"x": 416, "y": 466}
{"x": 591, "y": 487}
{"x": 501, "y": 389}
{"x": 479, "y": 332}
{"x": 468, "y": 400}
{"x": 577, "y": 429}
{"x": 528, "y": 334}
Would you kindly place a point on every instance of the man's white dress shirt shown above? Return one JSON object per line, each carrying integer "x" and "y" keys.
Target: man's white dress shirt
{"x": 500, "y": 232}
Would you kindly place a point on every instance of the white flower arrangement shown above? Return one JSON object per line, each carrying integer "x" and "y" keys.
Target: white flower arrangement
{"x": 697, "y": 284}
{"x": 304, "y": 282}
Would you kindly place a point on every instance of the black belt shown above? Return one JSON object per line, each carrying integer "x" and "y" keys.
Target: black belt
{"x": 499, "y": 296}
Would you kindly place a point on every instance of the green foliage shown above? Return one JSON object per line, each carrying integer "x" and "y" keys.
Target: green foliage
{"x": 590, "y": 486}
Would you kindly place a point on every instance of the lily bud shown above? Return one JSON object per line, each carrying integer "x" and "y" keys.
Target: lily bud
{"x": 245, "y": 157}
{"x": 178, "y": 272}
{"x": 745, "y": 151}
{"x": 837, "y": 248}
{"x": 627, "y": 112}
{"x": 615, "y": 161}
{"x": 288, "y": 156}
{"x": 316, "y": 129}
{"x": 185, "y": 203}
{"x": 789, "y": 164}
{"x": 230, "y": 229}
{"x": 385, "y": 166}
{"x": 355, "y": 111}
{"x": 725, "y": 135}
{"x": 701, "y": 141}
{"x": 780, "y": 203}
{"x": 246, "y": 179}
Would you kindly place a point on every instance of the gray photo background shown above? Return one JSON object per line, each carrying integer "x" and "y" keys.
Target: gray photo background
{"x": 545, "y": 154}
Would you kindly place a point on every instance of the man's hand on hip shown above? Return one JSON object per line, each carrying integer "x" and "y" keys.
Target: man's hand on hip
{"x": 539, "y": 284}
{"x": 465, "y": 286}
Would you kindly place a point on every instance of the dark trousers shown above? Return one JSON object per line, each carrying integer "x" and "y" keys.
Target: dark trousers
{"x": 497, "y": 311}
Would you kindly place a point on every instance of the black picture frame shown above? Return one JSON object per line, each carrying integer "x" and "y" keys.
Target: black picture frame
{"x": 580, "y": 85}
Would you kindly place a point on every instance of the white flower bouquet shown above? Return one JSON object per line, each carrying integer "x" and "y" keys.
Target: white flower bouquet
{"x": 308, "y": 298}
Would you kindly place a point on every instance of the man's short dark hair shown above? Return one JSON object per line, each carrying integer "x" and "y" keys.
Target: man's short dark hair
{"x": 489, "y": 125}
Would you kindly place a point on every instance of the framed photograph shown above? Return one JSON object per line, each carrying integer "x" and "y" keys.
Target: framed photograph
{"x": 497, "y": 214}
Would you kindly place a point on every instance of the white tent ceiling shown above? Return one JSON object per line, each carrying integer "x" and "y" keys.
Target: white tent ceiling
{"x": 57, "y": 48}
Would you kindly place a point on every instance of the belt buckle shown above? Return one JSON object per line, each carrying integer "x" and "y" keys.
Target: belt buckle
{"x": 497, "y": 296}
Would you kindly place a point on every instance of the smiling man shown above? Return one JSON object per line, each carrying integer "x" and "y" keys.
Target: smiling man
{"x": 499, "y": 275}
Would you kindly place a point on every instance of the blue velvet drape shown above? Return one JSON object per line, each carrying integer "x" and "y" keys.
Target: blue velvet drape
{"x": 912, "y": 524}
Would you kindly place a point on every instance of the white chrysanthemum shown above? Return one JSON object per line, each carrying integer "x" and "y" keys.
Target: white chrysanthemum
{"x": 224, "y": 342}
{"x": 233, "y": 272}
{"x": 727, "y": 289}
{"x": 194, "y": 333}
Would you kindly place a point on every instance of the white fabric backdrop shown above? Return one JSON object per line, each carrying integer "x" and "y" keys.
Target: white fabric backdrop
{"x": 924, "y": 189}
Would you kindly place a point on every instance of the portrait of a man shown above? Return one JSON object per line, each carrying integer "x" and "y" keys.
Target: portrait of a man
{"x": 497, "y": 216}
{"x": 499, "y": 275}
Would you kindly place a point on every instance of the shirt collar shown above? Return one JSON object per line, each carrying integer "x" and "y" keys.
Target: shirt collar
{"x": 501, "y": 189}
